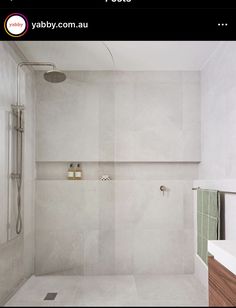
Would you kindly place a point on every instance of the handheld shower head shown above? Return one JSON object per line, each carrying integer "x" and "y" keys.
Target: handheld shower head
{"x": 54, "y": 76}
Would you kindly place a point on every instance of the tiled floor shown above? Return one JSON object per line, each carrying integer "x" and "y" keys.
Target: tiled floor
{"x": 145, "y": 290}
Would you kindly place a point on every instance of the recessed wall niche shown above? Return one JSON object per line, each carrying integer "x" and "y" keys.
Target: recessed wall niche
{"x": 120, "y": 170}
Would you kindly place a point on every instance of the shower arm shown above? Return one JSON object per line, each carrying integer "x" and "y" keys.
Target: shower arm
{"x": 18, "y": 105}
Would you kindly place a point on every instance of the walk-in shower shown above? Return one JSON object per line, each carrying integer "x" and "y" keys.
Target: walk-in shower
{"x": 131, "y": 235}
{"x": 54, "y": 76}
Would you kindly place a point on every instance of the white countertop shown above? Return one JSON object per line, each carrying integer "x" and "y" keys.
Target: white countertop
{"x": 225, "y": 253}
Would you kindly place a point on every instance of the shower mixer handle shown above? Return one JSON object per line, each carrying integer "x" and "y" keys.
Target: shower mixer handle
{"x": 163, "y": 189}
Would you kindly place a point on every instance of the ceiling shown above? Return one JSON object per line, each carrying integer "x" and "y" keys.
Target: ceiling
{"x": 128, "y": 55}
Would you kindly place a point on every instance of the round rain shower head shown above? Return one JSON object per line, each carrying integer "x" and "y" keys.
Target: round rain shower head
{"x": 54, "y": 76}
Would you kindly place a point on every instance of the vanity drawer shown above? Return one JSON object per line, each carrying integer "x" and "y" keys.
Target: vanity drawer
{"x": 222, "y": 284}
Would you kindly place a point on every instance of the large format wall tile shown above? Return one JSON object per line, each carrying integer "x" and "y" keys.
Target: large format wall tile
{"x": 126, "y": 225}
{"x": 143, "y": 204}
{"x": 153, "y": 118}
{"x": 67, "y": 121}
{"x": 17, "y": 255}
{"x": 218, "y": 112}
{"x": 121, "y": 116}
{"x": 11, "y": 266}
{"x": 62, "y": 205}
{"x": 158, "y": 251}
{"x": 116, "y": 227}
{"x": 59, "y": 251}
{"x": 124, "y": 250}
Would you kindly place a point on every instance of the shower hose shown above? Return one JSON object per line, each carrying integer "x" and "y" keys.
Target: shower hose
{"x": 19, "y": 216}
{"x": 19, "y": 148}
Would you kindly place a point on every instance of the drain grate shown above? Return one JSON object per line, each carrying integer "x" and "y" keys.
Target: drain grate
{"x": 50, "y": 296}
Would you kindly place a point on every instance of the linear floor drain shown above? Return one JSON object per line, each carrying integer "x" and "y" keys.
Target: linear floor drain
{"x": 50, "y": 296}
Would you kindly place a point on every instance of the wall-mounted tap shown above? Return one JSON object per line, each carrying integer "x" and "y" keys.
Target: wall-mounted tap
{"x": 163, "y": 189}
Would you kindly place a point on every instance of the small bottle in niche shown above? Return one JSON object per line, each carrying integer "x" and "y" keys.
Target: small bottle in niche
{"x": 78, "y": 172}
{"x": 71, "y": 172}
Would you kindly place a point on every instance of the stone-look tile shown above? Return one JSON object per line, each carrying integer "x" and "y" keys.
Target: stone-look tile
{"x": 35, "y": 289}
{"x": 155, "y": 171}
{"x": 11, "y": 266}
{"x": 188, "y": 204}
{"x": 143, "y": 204}
{"x": 188, "y": 251}
{"x": 59, "y": 251}
{"x": 155, "y": 131}
{"x": 217, "y": 114}
{"x": 106, "y": 252}
{"x": 125, "y": 77}
{"x": 106, "y": 123}
{"x": 192, "y": 123}
{"x": 74, "y": 225}
{"x": 124, "y": 107}
{"x": 125, "y": 215}
{"x": 145, "y": 125}
{"x": 62, "y": 205}
{"x": 74, "y": 132}
{"x": 106, "y": 290}
{"x": 91, "y": 252}
{"x": 3, "y": 175}
{"x": 175, "y": 288}
{"x": 106, "y": 205}
{"x": 166, "y": 77}
{"x": 158, "y": 251}
{"x": 99, "y": 252}
{"x": 191, "y": 110}
{"x": 114, "y": 221}
{"x": 138, "y": 117}
{"x": 7, "y": 76}
{"x": 189, "y": 242}
{"x": 190, "y": 144}
{"x": 124, "y": 251}
{"x": 158, "y": 210}
{"x": 168, "y": 290}
{"x": 17, "y": 255}
{"x": 106, "y": 168}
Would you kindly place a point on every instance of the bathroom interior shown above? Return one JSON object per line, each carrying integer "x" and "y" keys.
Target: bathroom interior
{"x": 117, "y": 173}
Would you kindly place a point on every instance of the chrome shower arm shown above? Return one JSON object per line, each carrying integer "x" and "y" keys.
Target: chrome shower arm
{"x": 18, "y": 75}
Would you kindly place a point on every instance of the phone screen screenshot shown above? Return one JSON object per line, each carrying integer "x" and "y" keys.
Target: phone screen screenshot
{"x": 117, "y": 153}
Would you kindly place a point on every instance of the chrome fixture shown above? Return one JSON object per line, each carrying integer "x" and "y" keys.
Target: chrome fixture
{"x": 219, "y": 191}
{"x": 53, "y": 76}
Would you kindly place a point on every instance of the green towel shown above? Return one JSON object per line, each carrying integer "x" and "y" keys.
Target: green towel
{"x": 208, "y": 220}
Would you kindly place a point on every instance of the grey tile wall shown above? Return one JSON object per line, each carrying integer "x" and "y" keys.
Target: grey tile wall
{"x": 117, "y": 227}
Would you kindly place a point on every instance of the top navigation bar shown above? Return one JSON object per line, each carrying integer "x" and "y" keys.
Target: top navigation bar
{"x": 90, "y": 4}
{"x": 120, "y": 20}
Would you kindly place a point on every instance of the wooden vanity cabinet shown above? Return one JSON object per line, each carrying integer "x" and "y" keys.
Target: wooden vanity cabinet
{"x": 222, "y": 285}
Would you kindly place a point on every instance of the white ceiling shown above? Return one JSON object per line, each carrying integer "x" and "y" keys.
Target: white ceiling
{"x": 128, "y": 55}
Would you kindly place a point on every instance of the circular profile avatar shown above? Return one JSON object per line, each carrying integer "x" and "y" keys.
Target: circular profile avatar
{"x": 16, "y": 25}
